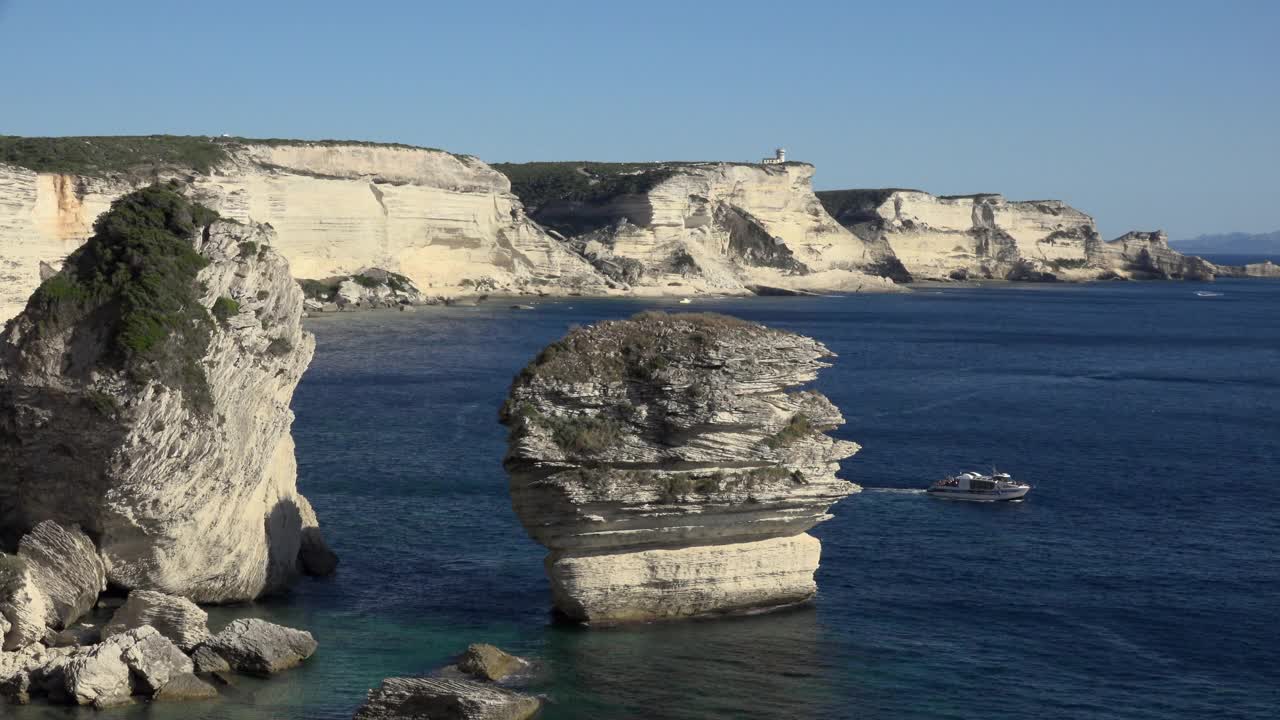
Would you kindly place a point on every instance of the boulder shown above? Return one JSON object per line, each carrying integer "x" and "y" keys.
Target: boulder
{"x": 98, "y": 676}
{"x": 255, "y": 647}
{"x": 15, "y": 673}
{"x": 440, "y": 699}
{"x": 23, "y": 605}
{"x": 487, "y": 662}
{"x": 186, "y": 687}
{"x": 65, "y": 565}
{"x": 673, "y": 465}
{"x": 178, "y": 619}
{"x": 106, "y": 674}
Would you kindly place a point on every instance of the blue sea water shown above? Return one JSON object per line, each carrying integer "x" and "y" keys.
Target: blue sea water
{"x": 1139, "y": 580}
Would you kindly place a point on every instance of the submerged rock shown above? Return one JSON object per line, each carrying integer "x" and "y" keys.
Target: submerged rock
{"x": 487, "y": 662}
{"x": 178, "y": 619}
{"x": 672, "y": 466}
{"x": 186, "y": 687}
{"x": 440, "y": 699}
{"x": 144, "y": 395}
{"x": 255, "y": 647}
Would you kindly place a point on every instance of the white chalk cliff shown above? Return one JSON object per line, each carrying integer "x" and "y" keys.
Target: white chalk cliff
{"x": 178, "y": 463}
{"x": 448, "y": 222}
{"x": 719, "y": 227}
{"x": 672, "y": 466}
{"x": 987, "y": 236}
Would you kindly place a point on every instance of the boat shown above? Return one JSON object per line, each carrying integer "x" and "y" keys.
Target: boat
{"x": 976, "y": 487}
{"x": 685, "y": 301}
{"x": 1206, "y": 293}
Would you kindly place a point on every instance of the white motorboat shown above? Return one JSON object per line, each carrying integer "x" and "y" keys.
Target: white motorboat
{"x": 976, "y": 487}
{"x": 1207, "y": 293}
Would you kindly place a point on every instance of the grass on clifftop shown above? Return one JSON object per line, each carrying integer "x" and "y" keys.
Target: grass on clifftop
{"x": 539, "y": 183}
{"x": 101, "y": 155}
{"x": 134, "y": 282}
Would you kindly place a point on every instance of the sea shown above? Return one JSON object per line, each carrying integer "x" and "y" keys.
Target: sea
{"x": 1140, "y": 579}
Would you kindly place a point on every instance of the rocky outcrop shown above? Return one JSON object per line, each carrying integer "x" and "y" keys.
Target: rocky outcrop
{"x": 139, "y": 661}
{"x": 144, "y": 396}
{"x": 970, "y": 236}
{"x": 449, "y": 222}
{"x": 178, "y": 619}
{"x": 53, "y": 580}
{"x": 1147, "y": 256}
{"x": 487, "y": 662}
{"x": 681, "y": 228}
{"x": 673, "y": 467}
{"x": 254, "y": 647}
{"x": 985, "y": 236}
{"x": 367, "y": 289}
{"x": 441, "y": 699}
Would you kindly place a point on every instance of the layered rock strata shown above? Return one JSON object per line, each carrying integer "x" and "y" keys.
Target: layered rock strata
{"x": 144, "y": 396}
{"x": 448, "y": 222}
{"x": 1147, "y": 256}
{"x": 52, "y": 581}
{"x": 985, "y": 236}
{"x": 680, "y": 228}
{"x": 673, "y": 466}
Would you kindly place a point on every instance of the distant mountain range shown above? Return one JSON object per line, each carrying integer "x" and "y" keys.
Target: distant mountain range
{"x": 1230, "y": 244}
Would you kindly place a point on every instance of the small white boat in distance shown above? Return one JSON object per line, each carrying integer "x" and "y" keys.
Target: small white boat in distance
{"x": 975, "y": 487}
{"x": 685, "y": 301}
{"x": 1207, "y": 293}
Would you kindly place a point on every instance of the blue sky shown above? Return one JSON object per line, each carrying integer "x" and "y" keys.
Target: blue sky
{"x": 1144, "y": 114}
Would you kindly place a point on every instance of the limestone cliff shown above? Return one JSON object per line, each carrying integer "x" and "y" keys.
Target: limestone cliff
{"x": 144, "y": 396}
{"x": 986, "y": 236}
{"x": 449, "y": 222}
{"x": 1147, "y": 256}
{"x": 694, "y": 227}
{"x": 672, "y": 466}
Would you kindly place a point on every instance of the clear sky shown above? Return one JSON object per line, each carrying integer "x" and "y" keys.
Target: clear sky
{"x": 1144, "y": 114}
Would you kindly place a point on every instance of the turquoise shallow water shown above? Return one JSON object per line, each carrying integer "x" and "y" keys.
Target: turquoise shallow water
{"x": 1140, "y": 580}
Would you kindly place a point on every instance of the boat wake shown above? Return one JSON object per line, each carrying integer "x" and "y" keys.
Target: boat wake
{"x": 896, "y": 491}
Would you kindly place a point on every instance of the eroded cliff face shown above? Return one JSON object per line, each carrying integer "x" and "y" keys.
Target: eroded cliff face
{"x": 157, "y": 424}
{"x": 989, "y": 237}
{"x": 973, "y": 236}
{"x": 672, "y": 466}
{"x": 1147, "y": 256}
{"x": 719, "y": 227}
{"x": 448, "y": 222}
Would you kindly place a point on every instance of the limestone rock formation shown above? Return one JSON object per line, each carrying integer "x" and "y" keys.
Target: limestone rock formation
{"x": 254, "y": 647}
{"x": 681, "y": 228}
{"x": 185, "y": 687}
{"x": 985, "y": 236}
{"x": 53, "y": 580}
{"x": 486, "y": 662}
{"x": 178, "y": 619}
{"x": 140, "y": 660}
{"x": 1147, "y": 256}
{"x": 969, "y": 236}
{"x": 672, "y": 466}
{"x": 449, "y": 222}
{"x": 144, "y": 396}
{"x": 367, "y": 289}
{"x": 441, "y": 699}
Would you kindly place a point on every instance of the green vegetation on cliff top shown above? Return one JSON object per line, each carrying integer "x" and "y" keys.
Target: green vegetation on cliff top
{"x": 101, "y": 155}
{"x": 539, "y": 183}
{"x": 133, "y": 284}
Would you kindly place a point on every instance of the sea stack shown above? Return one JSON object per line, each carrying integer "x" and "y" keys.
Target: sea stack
{"x": 144, "y": 397}
{"x": 673, "y": 465}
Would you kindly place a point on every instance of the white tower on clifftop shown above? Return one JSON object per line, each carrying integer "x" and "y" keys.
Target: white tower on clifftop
{"x": 779, "y": 157}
